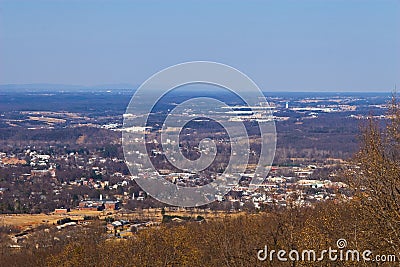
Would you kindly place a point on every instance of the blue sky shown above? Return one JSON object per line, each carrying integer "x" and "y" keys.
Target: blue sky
{"x": 303, "y": 45}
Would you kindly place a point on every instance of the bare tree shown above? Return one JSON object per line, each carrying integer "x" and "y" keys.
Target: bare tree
{"x": 376, "y": 177}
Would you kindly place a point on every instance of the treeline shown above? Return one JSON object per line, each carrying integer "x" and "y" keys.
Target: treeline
{"x": 328, "y": 136}
{"x": 227, "y": 242}
{"x": 68, "y": 138}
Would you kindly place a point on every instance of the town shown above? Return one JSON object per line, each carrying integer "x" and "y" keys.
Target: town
{"x": 70, "y": 165}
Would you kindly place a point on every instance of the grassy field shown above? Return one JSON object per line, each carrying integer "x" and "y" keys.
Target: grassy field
{"x": 34, "y": 220}
{"x": 25, "y": 220}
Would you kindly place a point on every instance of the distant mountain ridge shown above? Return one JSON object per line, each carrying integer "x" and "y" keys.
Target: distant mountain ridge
{"x": 54, "y": 87}
{"x": 68, "y": 87}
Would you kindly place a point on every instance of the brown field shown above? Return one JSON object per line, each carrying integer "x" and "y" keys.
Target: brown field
{"x": 34, "y": 220}
{"x": 25, "y": 220}
{"x": 47, "y": 119}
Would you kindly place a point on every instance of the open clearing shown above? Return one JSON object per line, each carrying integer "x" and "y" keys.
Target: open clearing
{"x": 34, "y": 220}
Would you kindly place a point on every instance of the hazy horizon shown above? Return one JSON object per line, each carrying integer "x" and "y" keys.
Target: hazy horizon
{"x": 132, "y": 88}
